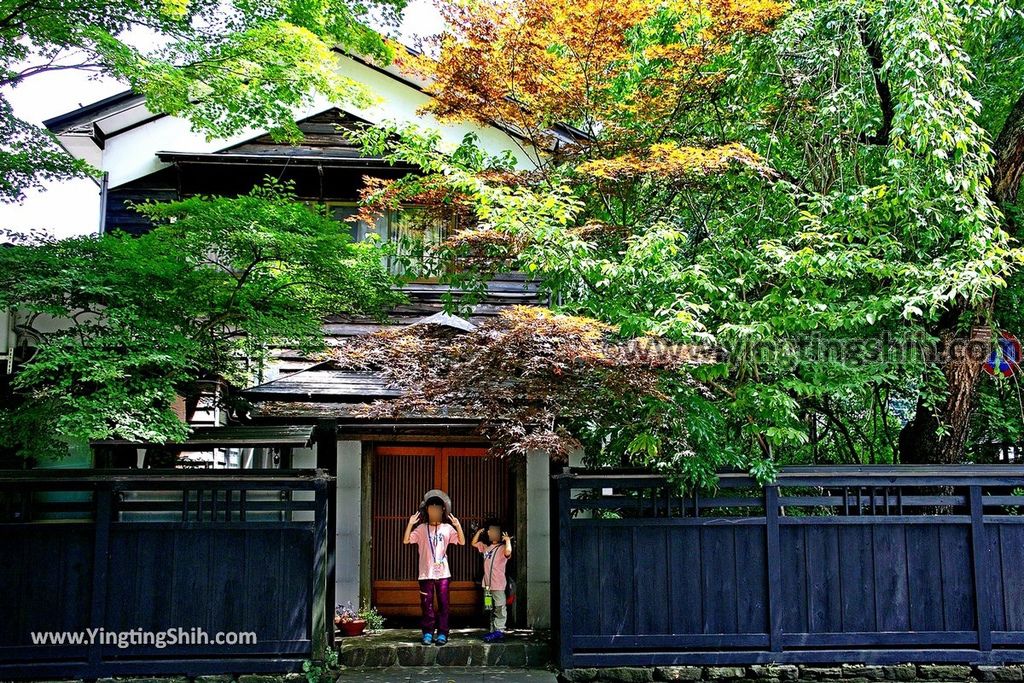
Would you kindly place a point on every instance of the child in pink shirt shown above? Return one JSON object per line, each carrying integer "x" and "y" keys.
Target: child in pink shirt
{"x": 496, "y": 553}
{"x": 433, "y": 529}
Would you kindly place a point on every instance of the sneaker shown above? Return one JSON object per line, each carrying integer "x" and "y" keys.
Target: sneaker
{"x": 493, "y": 636}
{"x": 441, "y": 639}
{"x": 428, "y": 638}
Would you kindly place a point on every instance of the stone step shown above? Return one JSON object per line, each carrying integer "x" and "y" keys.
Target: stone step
{"x": 447, "y": 674}
{"x": 465, "y": 648}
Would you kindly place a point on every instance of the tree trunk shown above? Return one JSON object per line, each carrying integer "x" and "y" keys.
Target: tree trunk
{"x": 959, "y": 339}
{"x": 1009, "y": 152}
{"x": 962, "y": 356}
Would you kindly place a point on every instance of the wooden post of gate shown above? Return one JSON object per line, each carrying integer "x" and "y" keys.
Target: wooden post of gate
{"x": 103, "y": 496}
{"x": 564, "y": 573}
{"x": 327, "y": 460}
{"x": 771, "y": 514}
{"x": 981, "y": 593}
{"x": 322, "y": 629}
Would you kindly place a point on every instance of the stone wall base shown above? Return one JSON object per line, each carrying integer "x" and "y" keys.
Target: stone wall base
{"x": 213, "y": 678}
{"x": 781, "y": 673}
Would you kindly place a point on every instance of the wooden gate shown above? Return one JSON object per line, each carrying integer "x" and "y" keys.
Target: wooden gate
{"x": 479, "y": 487}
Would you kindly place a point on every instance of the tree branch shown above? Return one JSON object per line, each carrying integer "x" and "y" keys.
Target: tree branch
{"x": 874, "y": 51}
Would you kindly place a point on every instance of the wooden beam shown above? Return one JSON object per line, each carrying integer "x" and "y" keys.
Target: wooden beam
{"x": 327, "y": 459}
{"x": 522, "y": 547}
{"x": 366, "y": 523}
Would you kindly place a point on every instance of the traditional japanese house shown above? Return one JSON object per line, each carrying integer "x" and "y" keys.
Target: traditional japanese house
{"x": 863, "y": 565}
{"x": 382, "y": 467}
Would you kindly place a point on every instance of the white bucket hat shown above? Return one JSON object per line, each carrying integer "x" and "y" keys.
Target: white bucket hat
{"x": 437, "y": 493}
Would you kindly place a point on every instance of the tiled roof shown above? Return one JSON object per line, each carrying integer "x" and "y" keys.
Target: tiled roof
{"x": 300, "y": 386}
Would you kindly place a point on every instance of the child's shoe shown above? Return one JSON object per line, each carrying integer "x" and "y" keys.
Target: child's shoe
{"x": 428, "y": 638}
{"x": 493, "y": 636}
{"x": 441, "y": 639}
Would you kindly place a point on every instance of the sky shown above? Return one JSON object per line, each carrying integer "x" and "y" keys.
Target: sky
{"x": 69, "y": 208}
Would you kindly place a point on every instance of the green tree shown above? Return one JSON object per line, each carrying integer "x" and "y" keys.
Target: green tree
{"x": 226, "y": 66}
{"x": 122, "y": 325}
{"x": 819, "y": 200}
{"x": 917, "y": 117}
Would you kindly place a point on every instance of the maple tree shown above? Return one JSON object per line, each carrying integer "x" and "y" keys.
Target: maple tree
{"x": 600, "y": 93}
{"x": 536, "y": 380}
{"x": 600, "y": 66}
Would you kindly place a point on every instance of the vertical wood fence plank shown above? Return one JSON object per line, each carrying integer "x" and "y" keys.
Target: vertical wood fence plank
{"x": 773, "y": 559}
{"x": 751, "y": 584}
{"x": 856, "y": 574}
{"x": 327, "y": 459}
{"x": 793, "y": 598}
{"x": 958, "y": 587}
{"x": 101, "y": 559}
{"x": 719, "y": 574}
{"x": 981, "y": 599}
{"x": 684, "y": 551}
{"x": 564, "y": 577}
{"x": 892, "y": 613}
{"x": 585, "y": 560}
{"x": 321, "y": 629}
{"x": 652, "y": 571}
{"x": 924, "y": 577}
{"x": 823, "y": 594}
{"x": 1011, "y": 544}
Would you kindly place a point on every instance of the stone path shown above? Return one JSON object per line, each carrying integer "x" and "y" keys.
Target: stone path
{"x": 402, "y": 648}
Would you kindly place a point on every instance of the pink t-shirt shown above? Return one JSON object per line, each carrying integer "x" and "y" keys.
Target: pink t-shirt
{"x": 494, "y": 556}
{"x": 433, "y": 544}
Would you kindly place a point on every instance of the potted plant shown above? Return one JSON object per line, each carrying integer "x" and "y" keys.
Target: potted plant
{"x": 348, "y": 621}
{"x": 374, "y": 620}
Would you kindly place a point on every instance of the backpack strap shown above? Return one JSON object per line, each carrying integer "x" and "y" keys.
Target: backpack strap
{"x": 490, "y": 573}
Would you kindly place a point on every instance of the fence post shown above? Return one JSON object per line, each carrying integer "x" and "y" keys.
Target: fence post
{"x": 322, "y": 629}
{"x": 327, "y": 459}
{"x": 981, "y": 594}
{"x": 564, "y": 575}
{"x": 772, "y": 559}
{"x": 100, "y": 566}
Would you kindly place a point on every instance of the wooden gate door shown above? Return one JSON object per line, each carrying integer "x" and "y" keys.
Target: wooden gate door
{"x": 479, "y": 487}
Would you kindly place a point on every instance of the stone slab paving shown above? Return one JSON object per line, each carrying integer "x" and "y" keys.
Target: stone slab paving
{"x": 402, "y": 647}
{"x": 446, "y": 674}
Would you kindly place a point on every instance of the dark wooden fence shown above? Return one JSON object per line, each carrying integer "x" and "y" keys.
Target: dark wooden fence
{"x": 841, "y": 564}
{"x": 176, "y": 553}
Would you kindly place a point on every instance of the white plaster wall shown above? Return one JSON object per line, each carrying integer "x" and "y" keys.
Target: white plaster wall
{"x": 347, "y": 539}
{"x": 304, "y": 458}
{"x": 538, "y": 539}
{"x": 400, "y": 102}
{"x": 132, "y": 154}
{"x": 576, "y": 460}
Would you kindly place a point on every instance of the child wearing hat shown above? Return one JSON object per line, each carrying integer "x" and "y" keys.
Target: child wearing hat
{"x": 433, "y": 528}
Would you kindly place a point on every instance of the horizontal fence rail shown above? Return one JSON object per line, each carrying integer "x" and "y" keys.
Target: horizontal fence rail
{"x": 825, "y": 565}
{"x": 214, "y": 571}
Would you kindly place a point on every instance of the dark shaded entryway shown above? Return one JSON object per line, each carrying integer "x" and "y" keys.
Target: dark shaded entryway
{"x": 479, "y": 486}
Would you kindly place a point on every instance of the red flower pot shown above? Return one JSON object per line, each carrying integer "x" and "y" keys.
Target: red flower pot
{"x": 352, "y": 628}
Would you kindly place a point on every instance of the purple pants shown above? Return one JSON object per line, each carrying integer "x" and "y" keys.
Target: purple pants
{"x": 432, "y": 620}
